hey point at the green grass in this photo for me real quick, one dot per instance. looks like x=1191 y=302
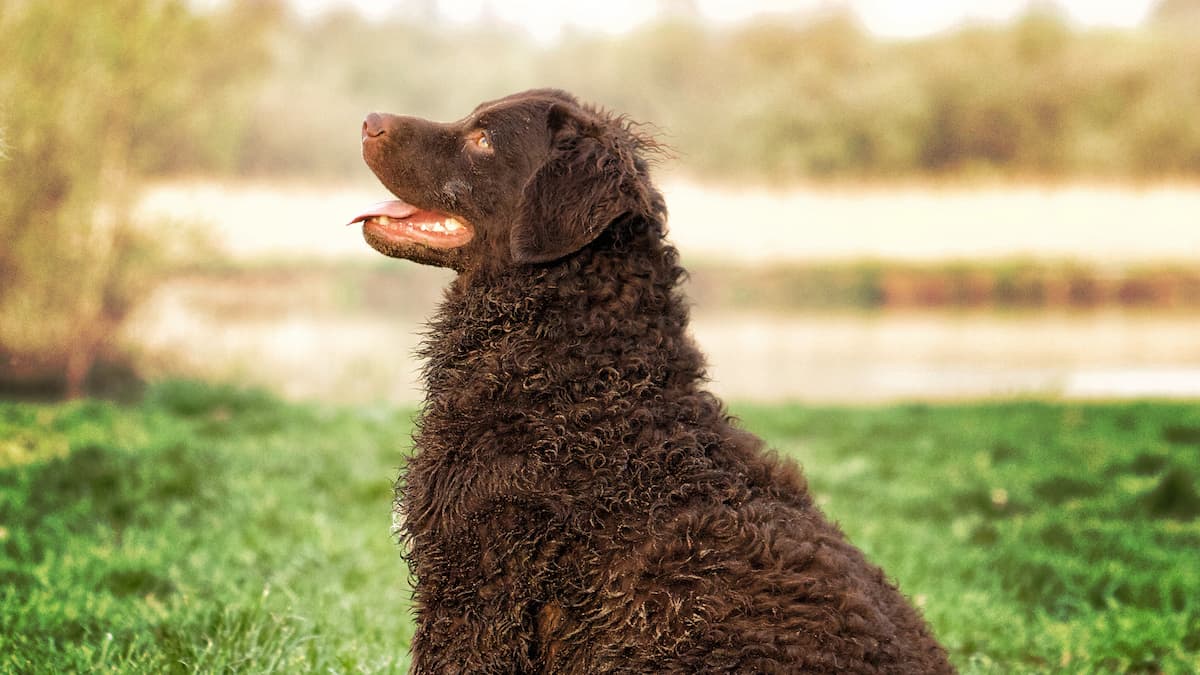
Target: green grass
x=219 y=530
x=207 y=529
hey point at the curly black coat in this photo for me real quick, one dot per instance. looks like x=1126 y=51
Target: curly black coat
x=577 y=501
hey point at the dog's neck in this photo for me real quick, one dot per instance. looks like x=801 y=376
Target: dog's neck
x=558 y=361
x=536 y=338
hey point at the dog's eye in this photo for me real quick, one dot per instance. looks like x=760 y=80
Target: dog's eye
x=481 y=140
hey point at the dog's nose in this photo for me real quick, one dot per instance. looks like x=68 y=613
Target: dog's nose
x=373 y=126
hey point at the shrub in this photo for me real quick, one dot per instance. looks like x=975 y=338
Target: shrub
x=93 y=95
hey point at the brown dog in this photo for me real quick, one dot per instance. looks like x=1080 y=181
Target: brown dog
x=577 y=502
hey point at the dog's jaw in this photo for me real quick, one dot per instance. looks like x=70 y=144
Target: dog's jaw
x=450 y=258
x=400 y=230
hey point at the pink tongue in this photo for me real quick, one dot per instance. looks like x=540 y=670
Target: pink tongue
x=392 y=209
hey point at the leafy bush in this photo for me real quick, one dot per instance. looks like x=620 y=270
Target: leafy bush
x=93 y=96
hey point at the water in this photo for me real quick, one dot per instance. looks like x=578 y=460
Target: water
x=346 y=356
x=935 y=356
x=295 y=339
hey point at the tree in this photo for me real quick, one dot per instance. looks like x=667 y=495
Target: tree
x=1177 y=14
x=93 y=96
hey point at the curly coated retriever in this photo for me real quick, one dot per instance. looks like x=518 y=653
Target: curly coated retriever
x=577 y=501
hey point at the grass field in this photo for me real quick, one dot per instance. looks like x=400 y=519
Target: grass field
x=214 y=529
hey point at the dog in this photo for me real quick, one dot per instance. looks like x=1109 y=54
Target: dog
x=577 y=501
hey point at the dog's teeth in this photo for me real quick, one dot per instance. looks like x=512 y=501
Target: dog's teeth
x=382 y=220
x=451 y=225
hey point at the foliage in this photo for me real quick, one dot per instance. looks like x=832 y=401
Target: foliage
x=779 y=99
x=1012 y=284
x=93 y=95
x=218 y=529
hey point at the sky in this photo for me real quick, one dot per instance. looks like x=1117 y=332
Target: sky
x=545 y=19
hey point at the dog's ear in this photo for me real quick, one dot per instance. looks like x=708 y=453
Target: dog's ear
x=589 y=179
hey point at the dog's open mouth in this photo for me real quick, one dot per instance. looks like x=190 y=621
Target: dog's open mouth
x=399 y=222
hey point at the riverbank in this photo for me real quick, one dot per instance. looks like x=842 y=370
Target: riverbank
x=351 y=337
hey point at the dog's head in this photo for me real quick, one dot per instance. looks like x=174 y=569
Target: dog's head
x=528 y=179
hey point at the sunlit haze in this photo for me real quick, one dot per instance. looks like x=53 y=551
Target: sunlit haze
x=545 y=19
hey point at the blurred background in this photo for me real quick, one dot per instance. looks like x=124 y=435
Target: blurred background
x=876 y=203
x=944 y=254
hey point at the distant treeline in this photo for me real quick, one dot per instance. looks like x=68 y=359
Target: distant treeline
x=408 y=291
x=775 y=100
x=1005 y=285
